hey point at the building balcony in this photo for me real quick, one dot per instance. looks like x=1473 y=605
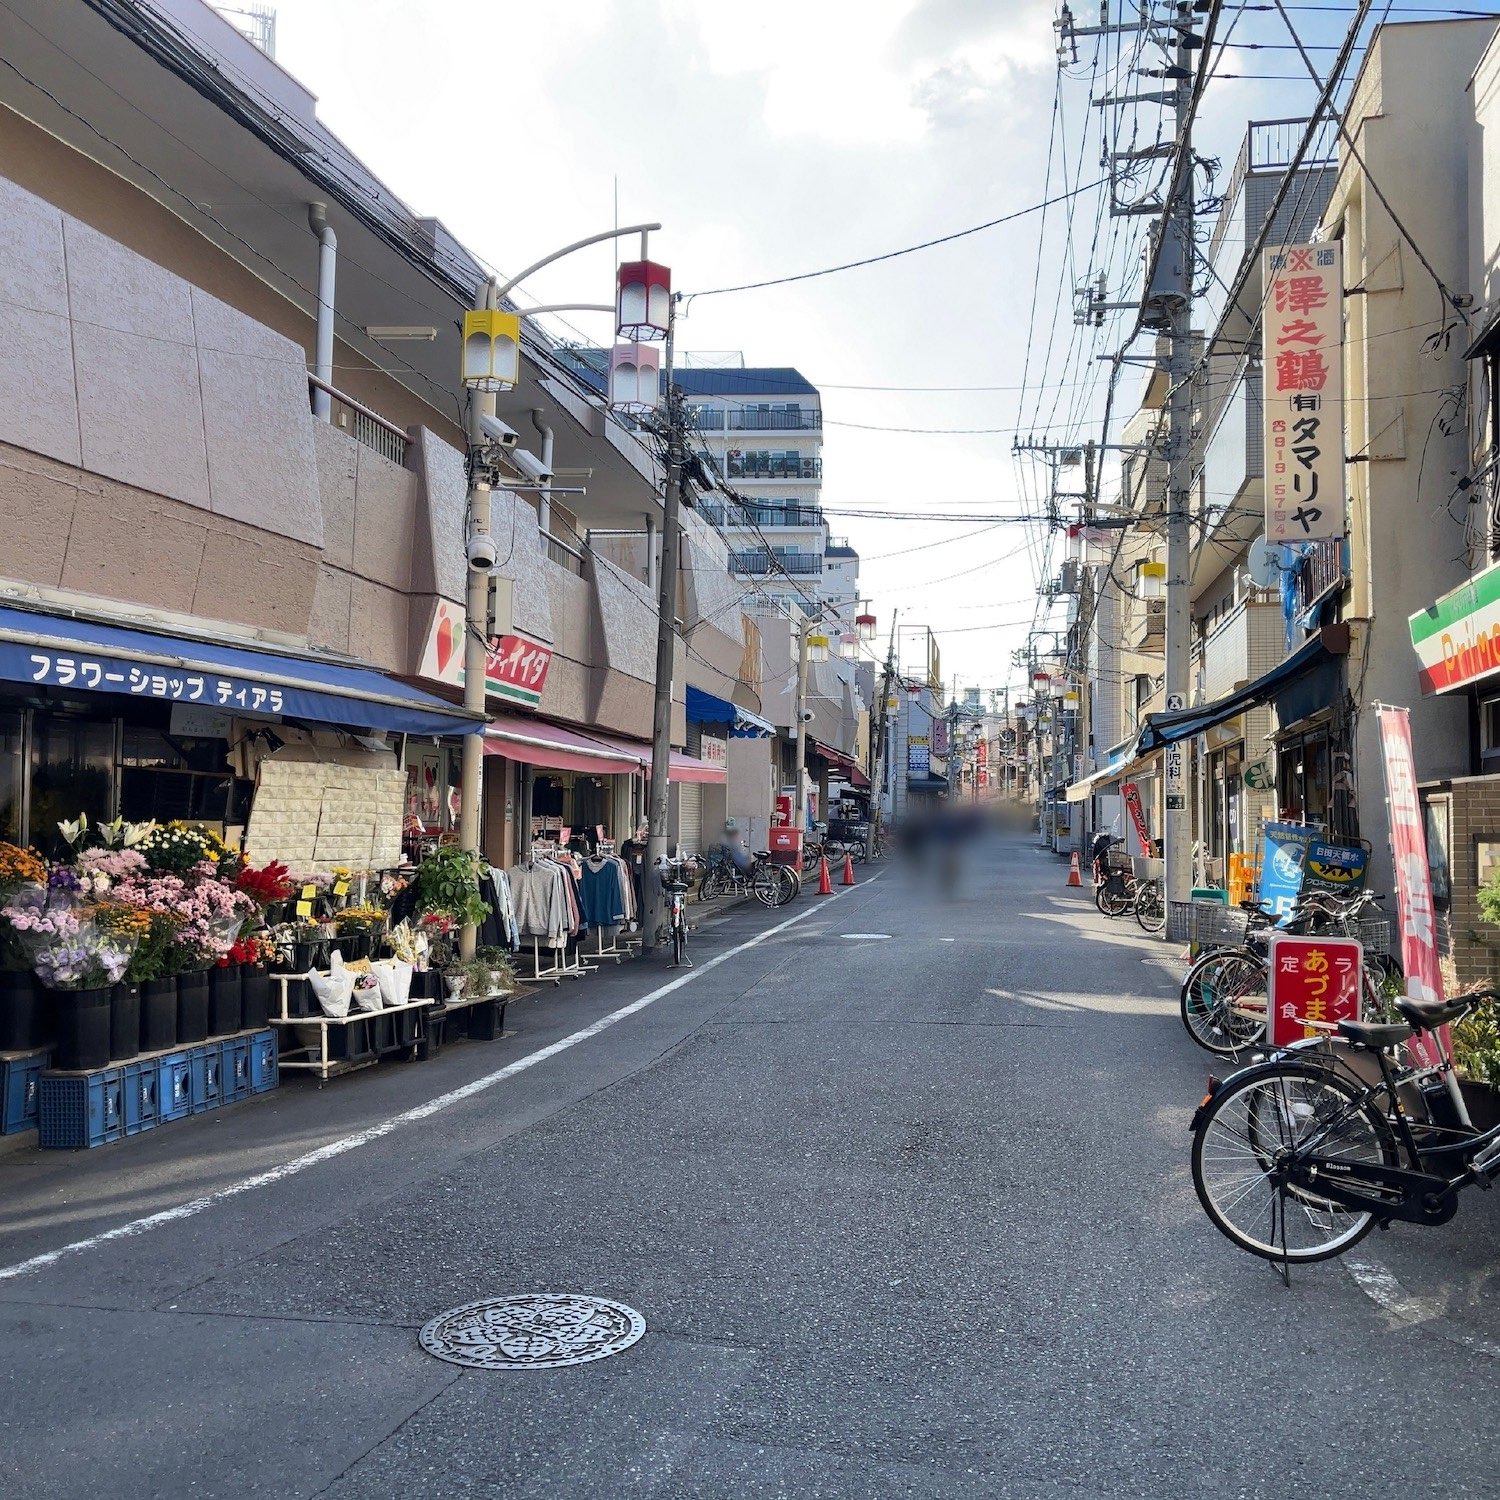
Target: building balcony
x=749 y=516
x=759 y=562
x=1322 y=568
x=758 y=419
x=773 y=466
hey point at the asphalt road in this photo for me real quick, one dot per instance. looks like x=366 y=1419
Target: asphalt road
x=901 y=1192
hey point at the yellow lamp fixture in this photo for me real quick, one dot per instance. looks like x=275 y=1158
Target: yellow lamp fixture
x=492 y=350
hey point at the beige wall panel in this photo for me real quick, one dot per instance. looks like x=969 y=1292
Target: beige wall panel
x=332 y=602
x=338 y=465
x=378 y=625
x=38 y=403
x=259 y=428
x=110 y=286
x=385 y=516
x=571 y=601
x=140 y=412
x=127 y=544
x=257 y=579
x=622 y=704
x=38 y=397
x=567 y=692
x=39 y=506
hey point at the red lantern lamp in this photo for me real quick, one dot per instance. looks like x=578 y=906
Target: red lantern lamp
x=643 y=300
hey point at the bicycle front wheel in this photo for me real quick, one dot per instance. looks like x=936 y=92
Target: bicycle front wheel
x=1256 y=1124
x=712 y=886
x=1224 y=1001
x=1150 y=910
x=679 y=943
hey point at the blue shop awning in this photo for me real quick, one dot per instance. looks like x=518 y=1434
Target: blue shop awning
x=1167 y=728
x=82 y=655
x=705 y=708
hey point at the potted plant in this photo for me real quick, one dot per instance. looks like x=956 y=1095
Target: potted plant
x=252 y=954
x=360 y=929
x=79 y=965
x=1476 y=1051
x=128 y=927
x=499 y=972
x=22 y=1014
x=153 y=966
x=448 y=885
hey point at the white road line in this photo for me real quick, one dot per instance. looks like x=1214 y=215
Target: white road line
x=1382 y=1288
x=195 y=1206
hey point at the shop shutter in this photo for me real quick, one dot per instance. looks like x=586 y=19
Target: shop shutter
x=690 y=816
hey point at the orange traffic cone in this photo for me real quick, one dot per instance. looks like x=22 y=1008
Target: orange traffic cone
x=847 y=878
x=1075 y=875
x=825 y=885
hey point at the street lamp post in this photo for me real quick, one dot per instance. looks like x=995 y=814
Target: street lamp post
x=490 y=362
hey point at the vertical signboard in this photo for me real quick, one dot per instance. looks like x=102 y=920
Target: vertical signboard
x=1315 y=984
x=1132 y=795
x=1304 y=392
x=1419 y=951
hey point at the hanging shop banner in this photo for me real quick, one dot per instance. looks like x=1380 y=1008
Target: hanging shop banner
x=714 y=751
x=1457 y=640
x=1283 y=865
x=1337 y=868
x=1132 y=795
x=1304 y=392
x=1315 y=984
x=1419 y=951
x=516 y=668
x=940 y=738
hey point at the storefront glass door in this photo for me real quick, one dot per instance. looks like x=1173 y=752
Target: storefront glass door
x=72 y=772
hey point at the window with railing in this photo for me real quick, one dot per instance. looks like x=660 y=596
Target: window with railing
x=365 y=426
x=774 y=417
x=744 y=464
x=1321 y=569
x=759 y=561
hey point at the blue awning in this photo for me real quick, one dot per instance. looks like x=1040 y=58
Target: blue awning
x=705 y=708
x=1167 y=728
x=80 y=655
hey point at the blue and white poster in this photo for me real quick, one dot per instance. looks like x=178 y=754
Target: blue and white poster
x=1283 y=864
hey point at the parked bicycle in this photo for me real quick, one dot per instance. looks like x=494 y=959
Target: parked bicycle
x=1117 y=890
x=1223 y=996
x=1299 y=1157
x=676 y=878
x=771 y=884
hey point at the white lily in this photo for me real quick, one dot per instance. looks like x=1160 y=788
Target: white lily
x=135 y=832
x=73 y=831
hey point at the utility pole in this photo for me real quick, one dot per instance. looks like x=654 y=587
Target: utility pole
x=1179 y=241
x=1167 y=306
x=882 y=741
x=666 y=641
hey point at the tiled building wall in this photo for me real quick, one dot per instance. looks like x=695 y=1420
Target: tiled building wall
x=1468 y=946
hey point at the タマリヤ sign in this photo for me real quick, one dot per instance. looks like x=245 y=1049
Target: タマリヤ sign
x=1457 y=639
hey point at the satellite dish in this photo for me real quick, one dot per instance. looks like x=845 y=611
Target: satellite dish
x=1264 y=563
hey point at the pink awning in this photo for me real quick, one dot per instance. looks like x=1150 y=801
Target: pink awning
x=683 y=767
x=539 y=743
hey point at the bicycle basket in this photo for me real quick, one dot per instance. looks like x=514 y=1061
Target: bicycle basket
x=1116 y=859
x=1221 y=926
x=1147 y=869
x=1374 y=935
x=1181 y=921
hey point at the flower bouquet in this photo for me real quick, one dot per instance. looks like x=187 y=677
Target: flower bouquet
x=175 y=849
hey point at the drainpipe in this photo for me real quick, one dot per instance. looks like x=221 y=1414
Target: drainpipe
x=328 y=249
x=544 y=495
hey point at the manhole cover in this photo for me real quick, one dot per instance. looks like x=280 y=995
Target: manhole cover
x=537 y=1331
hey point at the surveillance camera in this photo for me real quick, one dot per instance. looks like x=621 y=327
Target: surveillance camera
x=808 y=716
x=482 y=552
x=530 y=465
x=497 y=432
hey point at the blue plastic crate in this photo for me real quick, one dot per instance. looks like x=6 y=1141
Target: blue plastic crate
x=175 y=1093
x=142 y=1095
x=236 y=1068
x=20 y=1088
x=264 y=1068
x=78 y=1110
x=207 y=1076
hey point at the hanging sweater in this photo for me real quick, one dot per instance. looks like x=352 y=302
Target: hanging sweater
x=602 y=902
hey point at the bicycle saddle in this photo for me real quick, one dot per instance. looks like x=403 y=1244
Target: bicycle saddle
x=1374 y=1035
x=1425 y=1015
x=763 y=854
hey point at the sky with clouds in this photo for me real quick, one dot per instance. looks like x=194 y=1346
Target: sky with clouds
x=784 y=137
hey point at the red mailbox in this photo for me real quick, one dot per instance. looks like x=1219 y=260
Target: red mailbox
x=785 y=846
